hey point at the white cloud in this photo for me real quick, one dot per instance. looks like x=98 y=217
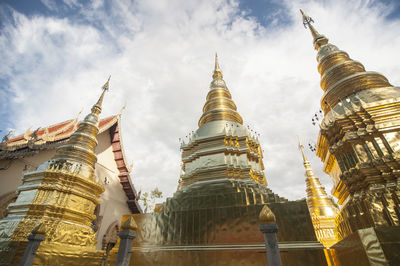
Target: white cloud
x=160 y=56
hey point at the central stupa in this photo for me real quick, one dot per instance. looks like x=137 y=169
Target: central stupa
x=221 y=147
x=212 y=218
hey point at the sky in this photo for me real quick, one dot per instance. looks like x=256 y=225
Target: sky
x=56 y=55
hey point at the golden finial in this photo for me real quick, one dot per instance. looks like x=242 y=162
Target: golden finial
x=122 y=109
x=80 y=112
x=301 y=148
x=266 y=216
x=97 y=107
x=129 y=224
x=319 y=39
x=40 y=229
x=217 y=70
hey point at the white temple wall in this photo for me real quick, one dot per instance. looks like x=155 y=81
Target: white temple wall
x=113 y=201
x=11 y=178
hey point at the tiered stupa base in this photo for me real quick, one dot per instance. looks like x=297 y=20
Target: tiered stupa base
x=216 y=223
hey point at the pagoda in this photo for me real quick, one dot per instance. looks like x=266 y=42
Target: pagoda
x=212 y=218
x=26 y=152
x=322 y=209
x=359 y=144
x=59 y=197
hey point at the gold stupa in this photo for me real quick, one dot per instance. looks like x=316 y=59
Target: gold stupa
x=359 y=144
x=61 y=196
x=322 y=209
x=222 y=146
x=213 y=217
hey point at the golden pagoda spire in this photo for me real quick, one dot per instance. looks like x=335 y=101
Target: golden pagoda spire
x=358 y=133
x=322 y=209
x=219 y=104
x=340 y=75
x=217 y=70
x=83 y=141
x=301 y=147
x=319 y=39
x=97 y=107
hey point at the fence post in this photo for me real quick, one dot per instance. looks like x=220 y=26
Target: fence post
x=37 y=235
x=269 y=228
x=126 y=240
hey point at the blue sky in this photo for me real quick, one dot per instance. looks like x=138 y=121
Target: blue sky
x=57 y=54
x=267 y=12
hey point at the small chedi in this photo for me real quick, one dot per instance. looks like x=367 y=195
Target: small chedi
x=60 y=196
x=212 y=218
x=359 y=144
x=322 y=209
x=25 y=152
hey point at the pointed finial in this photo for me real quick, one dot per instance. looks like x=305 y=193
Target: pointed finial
x=301 y=148
x=80 y=112
x=217 y=70
x=129 y=224
x=266 y=216
x=40 y=229
x=97 y=107
x=306 y=19
x=107 y=84
x=319 y=39
x=122 y=109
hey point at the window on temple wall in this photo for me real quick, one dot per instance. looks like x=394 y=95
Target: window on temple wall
x=110 y=237
x=393 y=138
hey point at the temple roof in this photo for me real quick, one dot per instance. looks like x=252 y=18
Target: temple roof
x=50 y=137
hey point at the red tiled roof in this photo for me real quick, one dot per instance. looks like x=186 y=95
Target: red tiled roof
x=64 y=129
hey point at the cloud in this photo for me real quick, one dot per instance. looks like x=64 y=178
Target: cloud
x=160 y=56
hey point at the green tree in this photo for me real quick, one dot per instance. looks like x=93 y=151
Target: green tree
x=149 y=199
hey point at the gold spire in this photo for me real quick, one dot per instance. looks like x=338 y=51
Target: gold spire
x=340 y=75
x=219 y=104
x=83 y=141
x=320 y=205
x=301 y=147
x=97 y=107
x=319 y=39
x=217 y=71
